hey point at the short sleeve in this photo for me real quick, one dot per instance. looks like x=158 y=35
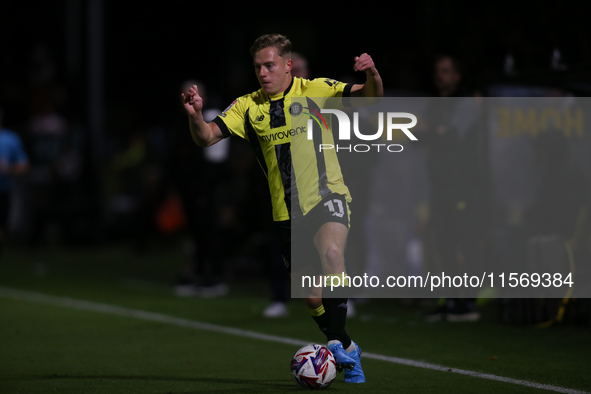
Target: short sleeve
x=231 y=121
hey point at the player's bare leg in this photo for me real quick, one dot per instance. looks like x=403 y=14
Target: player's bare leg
x=330 y=242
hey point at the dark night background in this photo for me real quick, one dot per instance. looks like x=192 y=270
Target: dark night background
x=148 y=50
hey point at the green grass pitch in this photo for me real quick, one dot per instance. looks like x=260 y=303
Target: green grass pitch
x=57 y=349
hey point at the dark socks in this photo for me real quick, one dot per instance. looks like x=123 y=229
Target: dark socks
x=336 y=316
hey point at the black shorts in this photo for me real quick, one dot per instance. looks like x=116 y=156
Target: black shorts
x=300 y=232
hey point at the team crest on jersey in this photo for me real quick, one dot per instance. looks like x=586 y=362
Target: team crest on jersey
x=227 y=109
x=296 y=109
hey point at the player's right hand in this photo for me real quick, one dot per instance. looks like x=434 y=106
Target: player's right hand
x=192 y=102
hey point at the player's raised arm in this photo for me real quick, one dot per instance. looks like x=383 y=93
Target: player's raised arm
x=204 y=134
x=373 y=86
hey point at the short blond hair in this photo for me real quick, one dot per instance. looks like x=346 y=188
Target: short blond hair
x=278 y=41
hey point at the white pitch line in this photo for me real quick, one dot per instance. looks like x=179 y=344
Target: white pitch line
x=46 y=299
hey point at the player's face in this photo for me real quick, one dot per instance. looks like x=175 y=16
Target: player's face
x=446 y=76
x=272 y=70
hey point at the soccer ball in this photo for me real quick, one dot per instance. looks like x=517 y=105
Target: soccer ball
x=313 y=367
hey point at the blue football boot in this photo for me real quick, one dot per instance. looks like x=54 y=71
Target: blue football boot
x=342 y=358
x=355 y=375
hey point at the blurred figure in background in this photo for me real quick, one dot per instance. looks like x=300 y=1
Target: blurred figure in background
x=553 y=230
x=454 y=229
x=48 y=141
x=195 y=174
x=13 y=161
x=300 y=66
x=138 y=178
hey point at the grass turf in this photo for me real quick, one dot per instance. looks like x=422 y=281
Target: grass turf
x=56 y=349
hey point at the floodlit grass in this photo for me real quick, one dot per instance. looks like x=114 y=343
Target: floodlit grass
x=48 y=348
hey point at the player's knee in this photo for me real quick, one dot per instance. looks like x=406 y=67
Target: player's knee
x=333 y=258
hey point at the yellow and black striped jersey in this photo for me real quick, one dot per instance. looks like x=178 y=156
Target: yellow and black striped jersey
x=300 y=175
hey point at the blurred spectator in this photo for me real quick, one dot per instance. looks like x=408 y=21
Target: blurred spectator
x=13 y=161
x=454 y=229
x=552 y=235
x=139 y=190
x=206 y=168
x=299 y=68
x=55 y=164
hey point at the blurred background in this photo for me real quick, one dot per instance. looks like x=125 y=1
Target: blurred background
x=92 y=89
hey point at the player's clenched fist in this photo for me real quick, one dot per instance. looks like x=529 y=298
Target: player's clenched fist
x=192 y=101
x=364 y=63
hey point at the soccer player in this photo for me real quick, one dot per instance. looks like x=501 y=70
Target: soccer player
x=301 y=201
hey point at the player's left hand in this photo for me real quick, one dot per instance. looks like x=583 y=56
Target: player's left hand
x=365 y=63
